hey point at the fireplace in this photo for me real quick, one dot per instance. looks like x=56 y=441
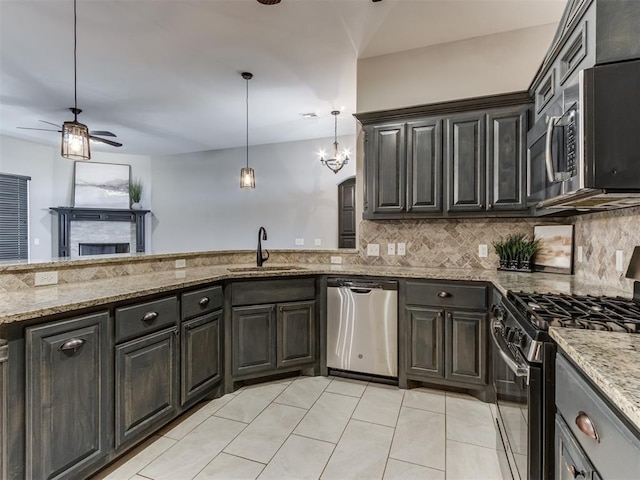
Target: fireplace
x=102 y=248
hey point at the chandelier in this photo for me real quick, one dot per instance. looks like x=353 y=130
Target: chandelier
x=339 y=158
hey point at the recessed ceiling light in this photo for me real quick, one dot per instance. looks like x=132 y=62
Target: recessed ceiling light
x=269 y=2
x=309 y=115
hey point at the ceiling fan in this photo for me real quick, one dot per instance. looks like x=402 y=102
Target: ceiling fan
x=76 y=135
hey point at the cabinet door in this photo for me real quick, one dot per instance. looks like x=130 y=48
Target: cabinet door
x=254 y=339
x=466 y=346
x=465 y=159
x=200 y=355
x=347 y=214
x=571 y=462
x=146 y=383
x=68 y=400
x=425 y=349
x=4 y=353
x=388 y=179
x=296 y=333
x=506 y=160
x=424 y=166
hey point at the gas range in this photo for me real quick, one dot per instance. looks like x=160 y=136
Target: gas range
x=544 y=310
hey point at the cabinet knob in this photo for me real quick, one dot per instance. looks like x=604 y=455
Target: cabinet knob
x=203 y=301
x=444 y=294
x=574 y=472
x=490 y=206
x=72 y=345
x=149 y=317
x=586 y=426
x=281 y=309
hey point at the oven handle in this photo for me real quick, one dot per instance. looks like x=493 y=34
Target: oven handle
x=518 y=369
x=548 y=154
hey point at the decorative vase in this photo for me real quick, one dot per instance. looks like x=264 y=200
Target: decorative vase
x=525 y=265
x=504 y=264
x=136 y=206
x=513 y=264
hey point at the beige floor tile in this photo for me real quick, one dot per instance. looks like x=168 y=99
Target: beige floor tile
x=361 y=453
x=248 y=404
x=303 y=392
x=228 y=467
x=471 y=462
x=328 y=417
x=397 y=470
x=420 y=438
x=470 y=421
x=346 y=386
x=191 y=454
x=299 y=458
x=186 y=423
x=379 y=405
x=264 y=436
x=136 y=460
x=425 y=399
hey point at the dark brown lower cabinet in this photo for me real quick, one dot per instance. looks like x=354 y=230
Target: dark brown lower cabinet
x=68 y=396
x=571 y=461
x=268 y=337
x=200 y=355
x=446 y=344
x=4 y=355
x=146 y=383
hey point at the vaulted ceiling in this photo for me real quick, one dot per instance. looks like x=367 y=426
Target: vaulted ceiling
x=164 y=75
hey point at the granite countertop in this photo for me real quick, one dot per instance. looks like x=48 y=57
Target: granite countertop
x=610 y=360
x=35 y=302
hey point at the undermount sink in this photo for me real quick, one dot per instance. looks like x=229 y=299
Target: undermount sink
x=264 y=269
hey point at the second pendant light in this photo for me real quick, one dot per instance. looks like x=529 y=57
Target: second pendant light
x=247 y=175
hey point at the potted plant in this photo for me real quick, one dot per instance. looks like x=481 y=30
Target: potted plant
x=135 y=193
x=501 y=250
x=529 y=251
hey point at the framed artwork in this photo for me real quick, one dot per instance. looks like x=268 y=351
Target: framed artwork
x=556 y=248
x=101 y=185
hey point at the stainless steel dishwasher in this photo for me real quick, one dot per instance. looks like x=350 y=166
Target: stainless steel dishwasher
x=362 y=326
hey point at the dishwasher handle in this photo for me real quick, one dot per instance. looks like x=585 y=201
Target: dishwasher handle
x=363 y=291
x=361 y=284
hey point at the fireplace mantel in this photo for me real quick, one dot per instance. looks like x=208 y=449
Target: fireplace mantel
x=68 y=214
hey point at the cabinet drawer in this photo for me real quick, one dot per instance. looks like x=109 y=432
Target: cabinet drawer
x=201 y=301
x=443 y=294
x=616 y=453
x=256 y=292
x=145 y=317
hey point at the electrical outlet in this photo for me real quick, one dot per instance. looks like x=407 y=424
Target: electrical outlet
x=391 y=249
x=483 y=252
x=580 y=254
x=336 y=260
x=299 y=242
x=317 y=242
x=373 y=250
x=619 y=266
x=36 y=241
x=46 y=278
x=402 y=248
x=180 y=263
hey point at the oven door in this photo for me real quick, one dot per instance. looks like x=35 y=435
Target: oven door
x=518 y=415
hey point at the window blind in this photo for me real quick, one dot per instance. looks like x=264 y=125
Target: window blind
x=14 y=217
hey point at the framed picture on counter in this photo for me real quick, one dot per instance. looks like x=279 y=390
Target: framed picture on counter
x=556 y=248
x=101 y=185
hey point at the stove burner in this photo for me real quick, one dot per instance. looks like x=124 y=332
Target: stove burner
x=614 y=314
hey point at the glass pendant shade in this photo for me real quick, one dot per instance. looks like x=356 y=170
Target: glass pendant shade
x=75 y=141
x=247 y=178
x=340 y=158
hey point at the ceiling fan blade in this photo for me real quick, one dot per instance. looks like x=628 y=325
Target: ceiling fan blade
x=54 y=124
x=104 y=140
x=42 y=129
x=103 y=133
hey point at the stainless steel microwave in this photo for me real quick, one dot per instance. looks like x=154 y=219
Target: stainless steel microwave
x=584 y=153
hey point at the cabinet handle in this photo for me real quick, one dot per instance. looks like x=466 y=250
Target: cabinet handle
x=449 y=316
x=574 y=472
x=281 y=309
x=203 y=301
x=444 y=294
x=73 y=344
x=586 y=426
x=490 y=206
x=149 y=317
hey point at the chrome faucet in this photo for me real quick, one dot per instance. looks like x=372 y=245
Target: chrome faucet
x=260 y=258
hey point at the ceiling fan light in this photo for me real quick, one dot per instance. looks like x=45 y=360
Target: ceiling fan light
x=75 y=141
x=247 y=178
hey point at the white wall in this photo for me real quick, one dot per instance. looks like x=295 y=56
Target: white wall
x=51 y=185
x=198 y=204
x=500 y=63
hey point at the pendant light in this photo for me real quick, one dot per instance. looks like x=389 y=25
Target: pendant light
x=75 y=135
x=339 y=159
x=247 y=175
